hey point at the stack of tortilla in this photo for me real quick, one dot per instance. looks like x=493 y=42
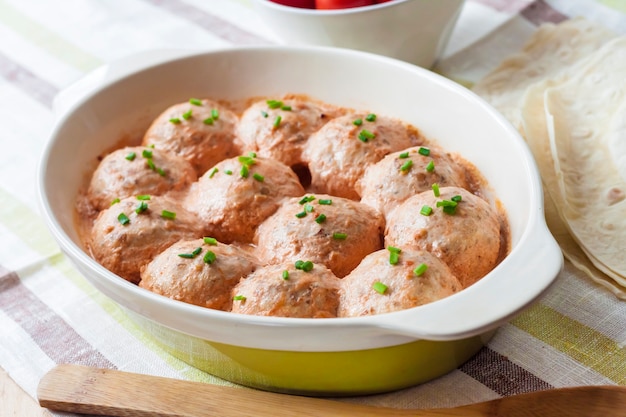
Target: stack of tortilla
x=566 y=93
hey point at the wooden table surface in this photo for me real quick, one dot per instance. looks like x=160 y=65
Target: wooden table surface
x=14 y=402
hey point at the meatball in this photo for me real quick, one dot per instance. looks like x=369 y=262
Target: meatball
x=332 y=231
x=137 y=170
x=382 y=284
x=130 y=233
x=403 y=174
x=338 y=153
x=200 y=131
x=294 y=289
x=279 y=129
x=464 y=231
x=201 y=272
x=236 y=195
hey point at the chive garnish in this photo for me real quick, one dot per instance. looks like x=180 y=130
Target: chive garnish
x=456 y=198
x=306 y=199
x=448 y=206
x=403 y=155
x=160 y=171
x=358 y=122
x=431 y=166
x=168 y=214
x=421 y=268
x=277 y=122
x=424 y=151
x=239 y=297
x=320 y=218
x=258 y=177
x=264 y=114
x=191 y=255
x=146 y=154
x=187 y=114
x=286 y=108
x=195 y=101
x=123 y=219
x=175 y=120
x=252 y=154
x=150 y=164
x=285 y=275
x=308 y=208
x=301 y=214
x=426 y=210
x=325 y=202
x=143 y=197
x=246 y=160
x=215 y=114
x=244 y=172
x=115 y=201
x=379 y=287
x=213 y=172
x=340 y=236
x=208 y=121
x=209 y=257
x=131 y=156
x=394 y=254
x=228 y=172
x=365 y=135
x=370 y=117
x=406 y=166
x=143 y=206
x=435 y=188
x=274 y=104
x=210 y=241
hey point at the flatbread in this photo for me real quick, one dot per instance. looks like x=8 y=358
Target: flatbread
x=552 y=48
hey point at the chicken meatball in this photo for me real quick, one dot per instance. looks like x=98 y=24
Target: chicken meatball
x=279 y=129
x=236 y=195
x=395 y=279
x=332 y=231
x=462 y=230
x=137 y=170
x=200 y=131
x=130 y=233
x=201 y=272
x=338 y=153
x=403 y=174
x=295 y=289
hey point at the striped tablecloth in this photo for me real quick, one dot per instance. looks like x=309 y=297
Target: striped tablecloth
x=49 y=314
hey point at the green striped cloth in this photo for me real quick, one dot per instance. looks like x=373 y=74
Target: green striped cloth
x=50 y=314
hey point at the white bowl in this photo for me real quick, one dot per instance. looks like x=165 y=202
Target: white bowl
x=444 y=111
x=415 y=31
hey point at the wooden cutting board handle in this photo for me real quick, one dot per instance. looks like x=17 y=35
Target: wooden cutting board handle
x=85 y=390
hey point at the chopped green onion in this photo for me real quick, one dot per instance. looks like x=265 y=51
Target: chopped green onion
x=215 y=114
x=320 y=219
x=431 y=166
x=252 y=154
x=394 y=254
x=365 y=135
x=123 y=219
x=228 y=172
x=435 y=188
x=143 y=206
x=239 y=297
x=209 y=257
x=306 y=199
x=426 y=210
x=151 y=146
x=143 y=197
x=244 y=172
x=246 y=160
x=403 y=155
x=175 y=120
x=131 y=156
x=308 y=208
x=456 y=198
x=168 y=214
x=146 y=154
x=448 y=206
x=150 y=164
x=195 y=101
x=406 y=166
x=301 y=214
x=115 y=201
x=213 y=172
x=424 y=151
x=286 y=108
x=285 y=275
x=210 y=241
x=277 y=122
x=370 y=117
x=358 y=122
x=393 y=249
x=208 y=121
x=379 y=287
x=160 y=171
x=274 y=104
x=325 y=202
x=421 y=268
x=258 y=177
x=191 y=255
x=264 y=114
x=340 y=236
x=187 y=114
